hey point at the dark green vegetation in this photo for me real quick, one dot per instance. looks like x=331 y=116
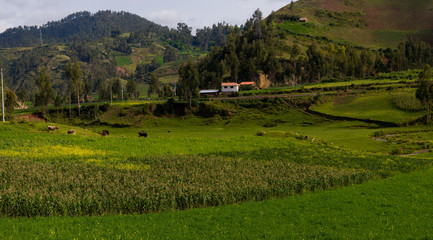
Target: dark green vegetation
x=85 y=25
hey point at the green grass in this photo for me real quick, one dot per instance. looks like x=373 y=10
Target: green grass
x=390 y=37
x=295 y=27
x=123 y=60
x=396 y=208
x=377 y=106
x=243 y=150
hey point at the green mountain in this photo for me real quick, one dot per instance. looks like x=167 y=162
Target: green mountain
x=107 y=44
x=367 y=23
x=79 y=25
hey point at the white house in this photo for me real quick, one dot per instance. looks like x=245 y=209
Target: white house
x=229 y=87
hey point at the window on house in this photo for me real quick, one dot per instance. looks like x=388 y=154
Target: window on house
x=231 y=87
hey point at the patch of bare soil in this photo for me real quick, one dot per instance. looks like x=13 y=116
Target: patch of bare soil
x=340 y=5
x=390 y=16
x=37 y=117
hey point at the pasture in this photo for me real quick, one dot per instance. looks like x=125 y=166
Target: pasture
x=264 y=161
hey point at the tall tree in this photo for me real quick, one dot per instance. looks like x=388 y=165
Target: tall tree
x=10 y=103
x=425 y=90
x=116 y=87
x=75 y=74
x=316 y=62
x=169 y=54
x=188 y=83
x=167 y=91
x=153 y=86
x=46 y=93
x=131 y=88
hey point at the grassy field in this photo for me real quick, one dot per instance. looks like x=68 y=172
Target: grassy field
x=373 y=106
x=217 y=171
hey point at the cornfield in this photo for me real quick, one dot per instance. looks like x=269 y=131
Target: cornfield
x=168 y=183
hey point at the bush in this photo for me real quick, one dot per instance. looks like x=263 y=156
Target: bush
x=270 y=124
x=407 y=102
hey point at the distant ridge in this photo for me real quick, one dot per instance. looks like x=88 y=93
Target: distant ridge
x=369 y=23
x=83 y=25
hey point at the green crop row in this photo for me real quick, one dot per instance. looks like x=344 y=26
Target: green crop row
x=163 y=183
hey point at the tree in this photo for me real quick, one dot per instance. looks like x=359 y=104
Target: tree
x=116 y=87
x=75 y=74
x=10 y=103
x=131 y=88
x=153 y=86
x=46 y=93
x=167 y=91
x=316 y=62
x=257 y=21
x=169 y=54
x=425 y=90
x=188 y=83
x=58 y=101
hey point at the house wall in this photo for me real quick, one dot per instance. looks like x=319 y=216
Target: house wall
x=230 y=88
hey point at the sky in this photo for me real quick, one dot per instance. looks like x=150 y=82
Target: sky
x=195 y=13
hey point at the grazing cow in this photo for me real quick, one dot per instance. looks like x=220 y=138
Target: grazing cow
x=71 y=132
x=105 y=133
x=142 y=134
x=52 y=128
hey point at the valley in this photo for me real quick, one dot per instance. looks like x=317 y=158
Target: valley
x=311 y=123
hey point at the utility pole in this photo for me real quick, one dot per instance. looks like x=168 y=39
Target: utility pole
x=122 y=90
x=3 y=97
x=111 y=93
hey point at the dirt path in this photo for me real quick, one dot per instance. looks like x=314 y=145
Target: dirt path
x=415 y=153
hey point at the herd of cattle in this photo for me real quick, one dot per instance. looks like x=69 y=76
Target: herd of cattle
x=104 y=132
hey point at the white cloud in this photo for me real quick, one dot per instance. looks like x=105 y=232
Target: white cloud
x=5 y=25
x=166 y=17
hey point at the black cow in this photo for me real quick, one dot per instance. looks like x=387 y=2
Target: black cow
x=142 y=134
x=105 y=133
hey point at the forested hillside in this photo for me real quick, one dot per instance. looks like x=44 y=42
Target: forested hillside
x=78 y=25
x=113 y=48
x=91 y=27
x=263 y=51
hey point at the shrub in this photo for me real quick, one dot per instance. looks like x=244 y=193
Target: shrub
x=407 y=102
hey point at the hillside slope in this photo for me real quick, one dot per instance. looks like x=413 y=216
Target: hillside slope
x=78 y=25
x=368 y=23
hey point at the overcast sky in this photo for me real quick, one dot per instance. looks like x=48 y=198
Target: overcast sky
x=195 y=13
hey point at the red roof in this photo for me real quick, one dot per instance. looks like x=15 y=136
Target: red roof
x=229 y=84
x=248 y=83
